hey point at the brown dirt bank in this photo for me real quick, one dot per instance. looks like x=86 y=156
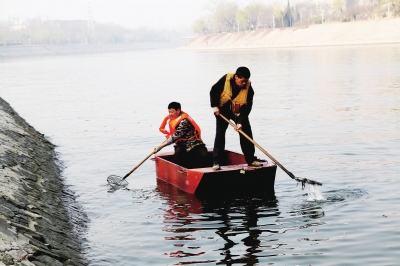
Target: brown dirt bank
x=348 y=33
x=40 y=221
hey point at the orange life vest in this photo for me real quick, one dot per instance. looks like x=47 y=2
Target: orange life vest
x=173 y=123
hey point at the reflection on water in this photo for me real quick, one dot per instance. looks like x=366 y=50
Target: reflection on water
x=228 y=218
x=242 y=230
x=239 y=230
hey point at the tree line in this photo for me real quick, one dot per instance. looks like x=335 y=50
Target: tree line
x=226 y=16
x=69 y=32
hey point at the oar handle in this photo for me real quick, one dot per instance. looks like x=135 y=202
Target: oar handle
x=258 y=146
x=137 y=166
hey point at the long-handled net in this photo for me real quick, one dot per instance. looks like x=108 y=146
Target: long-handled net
x=117 y=181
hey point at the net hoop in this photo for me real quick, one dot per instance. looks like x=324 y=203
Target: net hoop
x=114 y=180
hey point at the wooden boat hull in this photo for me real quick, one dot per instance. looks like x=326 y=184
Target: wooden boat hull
x=235 y=177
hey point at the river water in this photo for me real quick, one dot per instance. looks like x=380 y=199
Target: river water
x=330 y=114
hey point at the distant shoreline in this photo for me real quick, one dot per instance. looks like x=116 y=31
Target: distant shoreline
x=19 y=51
x=385 y=31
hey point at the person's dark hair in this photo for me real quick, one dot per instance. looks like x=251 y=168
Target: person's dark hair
x=243 y=72
x=174 y=105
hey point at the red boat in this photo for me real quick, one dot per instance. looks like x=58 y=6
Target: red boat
x=235 y=177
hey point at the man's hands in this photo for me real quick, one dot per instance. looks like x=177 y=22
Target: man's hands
x=238 y=127
x=216 y=111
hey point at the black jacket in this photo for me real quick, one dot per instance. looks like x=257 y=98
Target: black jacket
x=215 y=94
x=186 y=131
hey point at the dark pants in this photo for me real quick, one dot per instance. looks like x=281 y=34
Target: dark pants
x=219 y=143
x=195 y=158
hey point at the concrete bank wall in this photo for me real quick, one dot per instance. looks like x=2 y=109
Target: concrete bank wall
x=53 y=50
x=40 y=221
x=350 y=33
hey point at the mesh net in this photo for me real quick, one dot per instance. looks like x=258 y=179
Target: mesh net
x=115 y=180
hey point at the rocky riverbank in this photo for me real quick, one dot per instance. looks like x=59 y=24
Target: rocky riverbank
x=385 y=31
x=40 y=221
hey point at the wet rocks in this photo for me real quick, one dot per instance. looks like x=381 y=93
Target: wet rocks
x=40 y=221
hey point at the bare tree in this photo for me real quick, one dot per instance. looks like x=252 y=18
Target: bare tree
x=278 y=14
x=225 y=16
x=200 y=26
x=266 y=16
x=252 y=13
x=338 y=9
x=212 y=7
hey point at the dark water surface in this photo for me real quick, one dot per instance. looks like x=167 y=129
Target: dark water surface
x=330 y=114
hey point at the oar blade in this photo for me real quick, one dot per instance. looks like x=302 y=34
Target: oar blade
x=305 y=181
x=116 y=181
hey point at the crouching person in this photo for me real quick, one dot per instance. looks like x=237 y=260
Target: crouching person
x=190 y=150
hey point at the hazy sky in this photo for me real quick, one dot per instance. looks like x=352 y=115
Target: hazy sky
x=129 y=13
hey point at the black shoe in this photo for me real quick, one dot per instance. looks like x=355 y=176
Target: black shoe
x=261 y=160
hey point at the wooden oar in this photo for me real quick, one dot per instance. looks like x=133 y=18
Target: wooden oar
x=137 y=166
x=298 y=179
x=118 y=181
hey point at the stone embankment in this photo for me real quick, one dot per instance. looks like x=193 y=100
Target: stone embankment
x=40 y=221
x=385 y=31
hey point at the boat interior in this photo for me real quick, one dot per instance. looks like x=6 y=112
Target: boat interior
x=229 y=158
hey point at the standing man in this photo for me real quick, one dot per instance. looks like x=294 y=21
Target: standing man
x=232 y=96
